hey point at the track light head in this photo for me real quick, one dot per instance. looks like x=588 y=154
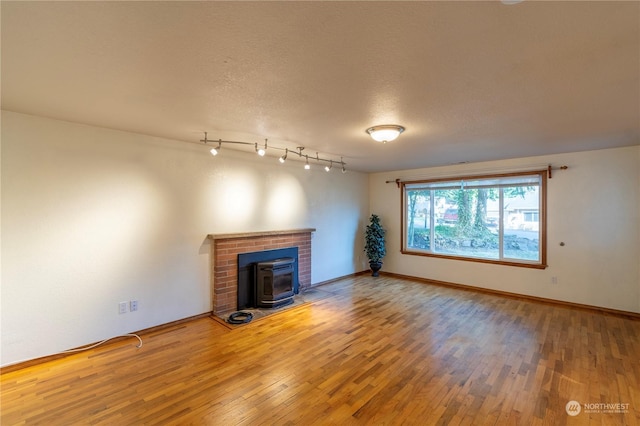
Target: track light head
x=214 y=151
x=284 y=157
x=328 y=168
x=306 y=165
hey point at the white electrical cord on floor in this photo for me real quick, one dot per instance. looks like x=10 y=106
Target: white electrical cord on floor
x=105 y=340
x=80 y=349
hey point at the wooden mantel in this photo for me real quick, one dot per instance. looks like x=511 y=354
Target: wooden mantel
x=259 y=234
x=224 y=260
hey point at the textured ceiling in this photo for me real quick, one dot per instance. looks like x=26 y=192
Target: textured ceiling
x=470 y=81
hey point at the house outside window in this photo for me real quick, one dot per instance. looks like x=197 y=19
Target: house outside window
x=495 y=219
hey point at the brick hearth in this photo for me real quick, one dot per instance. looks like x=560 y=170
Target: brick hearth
x=224 y=261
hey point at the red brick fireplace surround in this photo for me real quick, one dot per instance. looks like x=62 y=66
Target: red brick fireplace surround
x=224 y=260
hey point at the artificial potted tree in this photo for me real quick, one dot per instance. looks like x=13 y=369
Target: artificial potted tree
x=374 y=245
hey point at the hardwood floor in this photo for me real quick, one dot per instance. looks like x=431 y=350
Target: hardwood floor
x=375 y=351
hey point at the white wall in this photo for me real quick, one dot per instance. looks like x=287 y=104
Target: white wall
x=593 y=207
x=92 y=217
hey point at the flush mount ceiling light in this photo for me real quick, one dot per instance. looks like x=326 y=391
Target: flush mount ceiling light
x=385 y=133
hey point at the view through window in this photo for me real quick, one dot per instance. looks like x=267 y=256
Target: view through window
x=498 y=219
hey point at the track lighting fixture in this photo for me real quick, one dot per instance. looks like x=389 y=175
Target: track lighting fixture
x=261 y=151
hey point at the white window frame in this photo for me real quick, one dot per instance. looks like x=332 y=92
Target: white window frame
x=497 y=181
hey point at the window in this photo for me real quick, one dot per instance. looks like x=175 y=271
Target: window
x=495 y=219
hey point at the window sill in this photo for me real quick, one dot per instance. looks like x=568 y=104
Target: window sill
x=479 y=260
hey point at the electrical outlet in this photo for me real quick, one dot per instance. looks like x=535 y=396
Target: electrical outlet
x=554 y=280
x=122 y=307
x=133 y=305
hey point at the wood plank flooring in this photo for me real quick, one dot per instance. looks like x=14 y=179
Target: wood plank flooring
x=377 y=351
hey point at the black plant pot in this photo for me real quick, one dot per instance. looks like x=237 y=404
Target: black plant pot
x=375 y=267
